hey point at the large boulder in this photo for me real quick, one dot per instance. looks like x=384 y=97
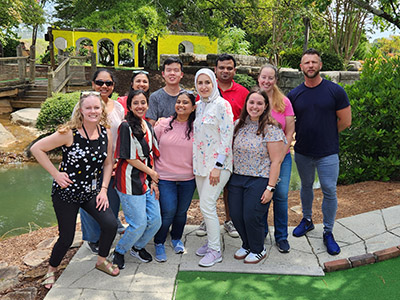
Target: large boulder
x=26 y=116
x=6 y=137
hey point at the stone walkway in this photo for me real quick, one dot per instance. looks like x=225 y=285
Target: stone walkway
x=359 y=237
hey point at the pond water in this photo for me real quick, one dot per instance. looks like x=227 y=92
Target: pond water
x=25 y=198
x=25 y=201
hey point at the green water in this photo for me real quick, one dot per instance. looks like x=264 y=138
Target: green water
x=25 y=201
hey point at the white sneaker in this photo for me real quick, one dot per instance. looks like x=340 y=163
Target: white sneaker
x=241 y=253
x=230 y=229
x=202 y=230
x=255 y=258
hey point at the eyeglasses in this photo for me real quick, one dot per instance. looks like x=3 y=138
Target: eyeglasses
x=101 y=83
x=89 y=93
x=140 y=72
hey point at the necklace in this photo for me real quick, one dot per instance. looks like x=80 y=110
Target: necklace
x=93 y=155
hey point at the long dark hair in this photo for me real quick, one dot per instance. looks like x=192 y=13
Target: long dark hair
x=95 y=74
x=134 y=121
x=191 y=118
x=136 y=73
x=265 y=118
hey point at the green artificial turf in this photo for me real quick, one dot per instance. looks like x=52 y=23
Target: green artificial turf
x=377 y=281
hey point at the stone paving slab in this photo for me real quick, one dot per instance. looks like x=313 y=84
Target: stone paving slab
x=357 y=235
x=391 y=216
x=382 y=241
x=366 y=225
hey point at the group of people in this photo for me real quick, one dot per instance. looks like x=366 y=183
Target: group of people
x=149 y=154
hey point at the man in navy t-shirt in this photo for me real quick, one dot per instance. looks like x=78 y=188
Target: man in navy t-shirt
x=322 y=110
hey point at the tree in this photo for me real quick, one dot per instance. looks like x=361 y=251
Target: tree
x=389 y=46
x=13 y=13
x=234 y=42
x=346 y=25
x=388 y=10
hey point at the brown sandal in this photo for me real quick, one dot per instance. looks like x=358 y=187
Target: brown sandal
x=107 y=267
x=49 y=278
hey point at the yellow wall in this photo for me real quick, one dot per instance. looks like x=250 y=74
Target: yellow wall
x=168 y=44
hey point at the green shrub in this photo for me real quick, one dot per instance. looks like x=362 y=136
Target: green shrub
x=291 y=58
x=56 y=111
x=247 y=81
x=370 y=148
x=330 y=61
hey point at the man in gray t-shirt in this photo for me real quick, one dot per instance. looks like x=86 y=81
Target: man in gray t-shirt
x=162 y=102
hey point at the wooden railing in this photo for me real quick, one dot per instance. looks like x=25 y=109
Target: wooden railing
x=59 y=79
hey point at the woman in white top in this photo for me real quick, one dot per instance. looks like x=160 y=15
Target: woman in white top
x=212 y=158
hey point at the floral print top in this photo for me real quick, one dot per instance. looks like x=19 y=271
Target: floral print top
x=213 y=132
x=250 y=153
x=83 y=162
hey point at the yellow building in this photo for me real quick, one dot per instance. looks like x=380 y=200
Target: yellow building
x=174 y=43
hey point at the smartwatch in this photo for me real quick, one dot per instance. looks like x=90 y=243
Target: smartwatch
x=271 y=188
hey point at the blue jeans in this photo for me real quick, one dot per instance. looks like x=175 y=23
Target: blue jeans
x=142 y=213
x=328 y=172
x=247 y=211
x=90 y=227
x=175 y=199
x=280 y=199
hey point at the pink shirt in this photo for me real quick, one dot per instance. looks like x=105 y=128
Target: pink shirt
x=281 y=117
x=175 y=162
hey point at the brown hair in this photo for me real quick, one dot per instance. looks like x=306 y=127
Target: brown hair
x=265 y=118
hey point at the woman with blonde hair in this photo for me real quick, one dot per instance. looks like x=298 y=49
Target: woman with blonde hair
x=86 y=146
x=103 y=82
x=282 y=112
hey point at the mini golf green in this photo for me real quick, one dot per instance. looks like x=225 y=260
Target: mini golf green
x=377 y=281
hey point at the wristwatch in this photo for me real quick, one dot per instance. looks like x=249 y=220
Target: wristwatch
x=271 y=188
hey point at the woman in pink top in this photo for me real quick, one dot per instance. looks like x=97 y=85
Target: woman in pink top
x=175 y=167
x=282 y=112
x=140 y=80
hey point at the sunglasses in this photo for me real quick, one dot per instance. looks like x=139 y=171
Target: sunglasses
x=140 y=71
x=89 y=93
x=101 y=83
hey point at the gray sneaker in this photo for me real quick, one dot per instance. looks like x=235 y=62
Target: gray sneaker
x=230 y=229
x=202 y=230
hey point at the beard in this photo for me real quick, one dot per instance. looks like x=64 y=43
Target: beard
x=315 y=74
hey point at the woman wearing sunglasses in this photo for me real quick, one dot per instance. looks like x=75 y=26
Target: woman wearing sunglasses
x=87 y=156
x=140 y=80
x=103 y=82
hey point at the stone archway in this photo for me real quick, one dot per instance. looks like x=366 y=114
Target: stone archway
x=185 y=47
x=105 y=52
x=84 y=46
x=126 y=53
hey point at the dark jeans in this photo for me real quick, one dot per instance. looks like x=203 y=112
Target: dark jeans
x=90 y=228
x=247 y=211
x=175 y=199
x=66 y=216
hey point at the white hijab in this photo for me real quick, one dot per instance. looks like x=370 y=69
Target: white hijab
x=215 y=93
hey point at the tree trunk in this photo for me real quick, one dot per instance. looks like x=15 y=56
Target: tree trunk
x=306 y=22
x=151 y=56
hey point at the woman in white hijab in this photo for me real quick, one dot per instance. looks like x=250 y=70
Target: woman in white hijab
x=212 y=158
